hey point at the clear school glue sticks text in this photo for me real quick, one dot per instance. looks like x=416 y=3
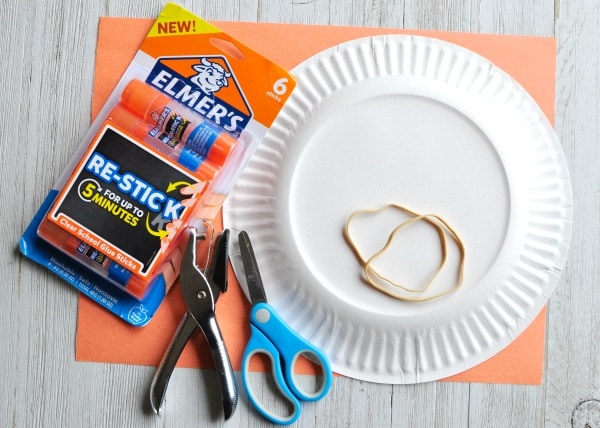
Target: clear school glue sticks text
x=102 y=265
x=169 y=116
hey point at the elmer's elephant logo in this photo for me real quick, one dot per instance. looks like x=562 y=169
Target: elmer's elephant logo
x=205 y=84
x=211 y=76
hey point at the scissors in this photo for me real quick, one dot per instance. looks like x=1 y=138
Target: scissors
x=200 y=292
x=270 y=335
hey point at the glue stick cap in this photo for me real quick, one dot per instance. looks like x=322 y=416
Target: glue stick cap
x=118 y=273
x=55 y=234
x=129 y=122
x=220 y=148
x=141 y=99
x=71 y=244
x=136 y=286
x=191 y=160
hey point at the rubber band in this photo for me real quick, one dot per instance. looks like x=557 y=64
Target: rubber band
x=375 y=278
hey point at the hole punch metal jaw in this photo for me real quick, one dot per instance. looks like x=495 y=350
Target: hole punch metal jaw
x=201 y=290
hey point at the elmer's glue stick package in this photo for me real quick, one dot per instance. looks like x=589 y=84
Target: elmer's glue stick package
x=163 y=154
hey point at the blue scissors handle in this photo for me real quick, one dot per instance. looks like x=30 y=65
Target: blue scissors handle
x=259 y=344
x=270 y=335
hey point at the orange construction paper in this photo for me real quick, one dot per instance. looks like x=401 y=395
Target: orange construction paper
x=102 y=337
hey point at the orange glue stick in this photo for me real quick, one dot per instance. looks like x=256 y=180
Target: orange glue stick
x=169 y=269
x=162 y=142
x=82 y=252
x=171 y=117
x=104 y=266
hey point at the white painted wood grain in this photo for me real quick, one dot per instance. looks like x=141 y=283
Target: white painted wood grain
x=47 y=73
x=573 y=340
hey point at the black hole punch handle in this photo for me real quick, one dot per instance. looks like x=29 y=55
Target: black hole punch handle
x=217 y=270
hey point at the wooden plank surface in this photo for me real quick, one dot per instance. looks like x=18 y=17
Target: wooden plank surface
x=47 y=71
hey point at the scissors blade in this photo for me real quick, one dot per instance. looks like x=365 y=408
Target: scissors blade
x=253 y=279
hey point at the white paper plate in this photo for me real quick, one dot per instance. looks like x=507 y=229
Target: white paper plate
x=431 y=126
